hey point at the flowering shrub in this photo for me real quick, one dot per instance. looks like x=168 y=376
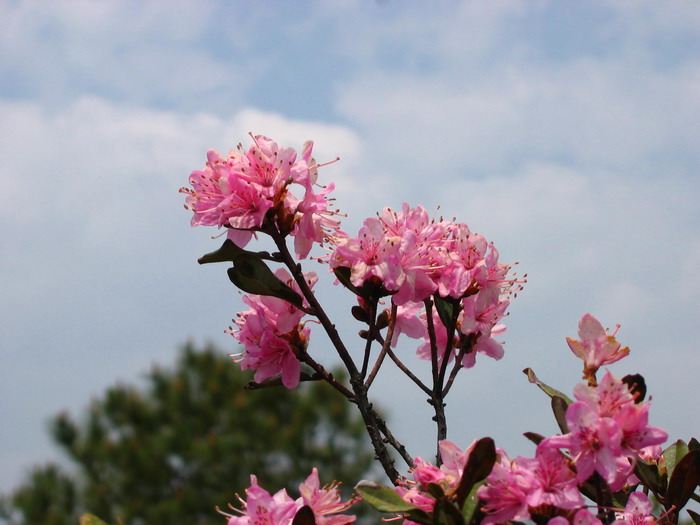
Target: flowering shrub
x=435 y=281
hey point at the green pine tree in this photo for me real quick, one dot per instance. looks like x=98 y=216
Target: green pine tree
x=169 y=452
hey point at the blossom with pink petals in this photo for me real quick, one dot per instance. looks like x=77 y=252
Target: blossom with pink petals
x=607 y=428
x=637 y=511
x=272 y=335
x=448 y=475
x=507 y=489
x=250 y=191
x=261 y=508
x=596 y=347
x=325 y=502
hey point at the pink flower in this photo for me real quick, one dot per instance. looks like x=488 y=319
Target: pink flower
x=220 y=197
x=554 y=481
x=315 y=221
x=594 y=443
x=250 y=191
x=271 y=334
x=596 y=348
x=264 y=351
x=408 y=322
x=261 y=508
x=582 y=517
x=448 y=475
x=607 y=431
x=637 y=511
x=370 y=254
x=506 y=490
x=324 y=501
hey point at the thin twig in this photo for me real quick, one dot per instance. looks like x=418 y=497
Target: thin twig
x=400 y=448
x=431 y=335
x=369 y=416
x=467 y=347
x=326 y=376
x=370 y=337
x=385 y=346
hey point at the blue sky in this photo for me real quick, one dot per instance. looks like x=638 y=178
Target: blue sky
x=566 y=132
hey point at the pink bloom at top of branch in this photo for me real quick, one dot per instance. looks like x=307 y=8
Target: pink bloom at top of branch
x=596 y=347
x=372 y=253
x=219 y=197
x=250 y=191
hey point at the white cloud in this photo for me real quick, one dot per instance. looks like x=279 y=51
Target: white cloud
x=98 y=261
x=577 y=156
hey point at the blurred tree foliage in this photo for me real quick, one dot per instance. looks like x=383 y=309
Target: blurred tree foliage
x=169 y=452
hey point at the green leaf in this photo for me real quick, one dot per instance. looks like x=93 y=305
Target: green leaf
x=649 y=476
x=686 y=476
x=384 y=499
x=471 y=504
x=445 y=513
x=304 y=516
x=694 y=444
x=673 y=454
x=91 y=519
x=559 y=407
x=343 y=275
x=695 y=516
x=251 y=274
x=534 y=437
x=551 y=392
x=227 y=253
x=478 y=467
x=435 y=490
x=419 y=516
x=445 y=309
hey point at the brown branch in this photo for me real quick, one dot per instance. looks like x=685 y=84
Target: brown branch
x=385 y=346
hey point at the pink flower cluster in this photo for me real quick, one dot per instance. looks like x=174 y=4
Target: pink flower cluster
x=424 y=473
x=609 y=433
x=272 y=334
x=609 y=427
x=516 y=487
x=414 y=257
x=262 y=508
x=249 y=191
